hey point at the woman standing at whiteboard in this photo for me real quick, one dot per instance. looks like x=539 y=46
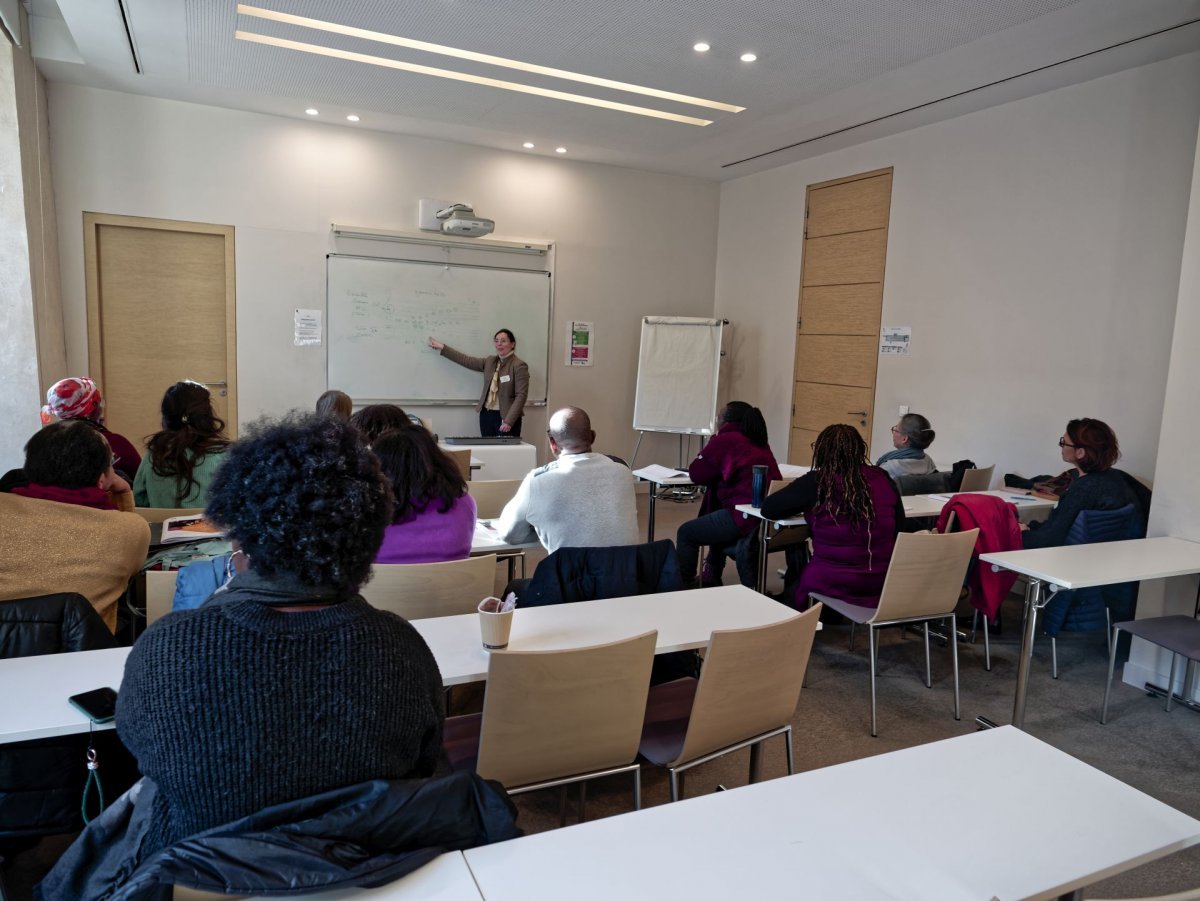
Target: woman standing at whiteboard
x=505 y=384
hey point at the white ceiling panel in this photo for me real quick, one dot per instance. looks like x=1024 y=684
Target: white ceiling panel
x=823 y=65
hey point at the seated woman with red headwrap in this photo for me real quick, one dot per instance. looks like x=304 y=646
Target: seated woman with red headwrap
x=79 y=398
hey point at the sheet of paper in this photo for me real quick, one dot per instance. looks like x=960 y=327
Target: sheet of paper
x=895 y=339
x=308 y=327
x=656 y=473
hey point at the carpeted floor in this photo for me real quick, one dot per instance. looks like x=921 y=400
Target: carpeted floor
x=1143 y=746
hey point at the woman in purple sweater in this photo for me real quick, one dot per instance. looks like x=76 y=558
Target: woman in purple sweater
x=854 y=512
x=725 y=468
x=435 y=517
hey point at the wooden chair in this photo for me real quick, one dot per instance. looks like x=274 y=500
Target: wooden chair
x=923 y=583
x=552 y=718
x=162 y=514
x=747 y=692
x=160 y=592
x=491 y=496
x=426 y=590
x=977 y=479
x=463 y=459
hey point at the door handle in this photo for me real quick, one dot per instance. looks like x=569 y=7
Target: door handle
x=224 y=386
x=848 y=412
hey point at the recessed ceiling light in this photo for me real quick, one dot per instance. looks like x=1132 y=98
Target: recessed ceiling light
x=701 y=47
x=442 y=49
x=749 y=57
x=463 y=76
x=560 y=149
x=528 y=145
x=311 y=112
x=352 y=118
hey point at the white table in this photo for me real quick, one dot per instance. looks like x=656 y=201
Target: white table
x=895 y=826
x=487 y=541
x=684 y=620
x=499 y=461
x=445 y=878
x=34 y=691
x=1085 y=566
x=770 y=531
x=1029 y=506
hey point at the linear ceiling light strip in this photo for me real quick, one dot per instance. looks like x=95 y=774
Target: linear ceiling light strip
x=395 y=40
x=990 y=84
x=463 y=76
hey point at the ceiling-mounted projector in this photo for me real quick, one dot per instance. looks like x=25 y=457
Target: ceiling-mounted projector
x=460 y=219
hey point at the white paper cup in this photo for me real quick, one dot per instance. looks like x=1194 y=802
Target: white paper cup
x=493 y=625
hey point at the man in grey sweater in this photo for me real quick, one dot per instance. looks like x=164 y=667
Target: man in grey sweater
x=582 y=499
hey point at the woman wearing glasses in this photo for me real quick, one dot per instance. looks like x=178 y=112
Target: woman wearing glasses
x=1091 y=447
x=910 y=436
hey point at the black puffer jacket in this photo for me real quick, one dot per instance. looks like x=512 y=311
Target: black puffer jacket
x=41 y=781
x=573 y=574
x=361 y=835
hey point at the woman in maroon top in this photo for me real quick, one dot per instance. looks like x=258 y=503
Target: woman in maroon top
x=725 y=468
x=854 y=512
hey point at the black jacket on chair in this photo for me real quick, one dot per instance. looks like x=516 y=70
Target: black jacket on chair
x=360 y=835
x=41 y=781
x=590 y=573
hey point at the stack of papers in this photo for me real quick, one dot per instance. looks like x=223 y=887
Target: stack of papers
x=661 y=474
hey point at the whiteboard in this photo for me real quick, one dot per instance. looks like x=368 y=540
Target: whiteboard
x=381 y=313
x=678 y=367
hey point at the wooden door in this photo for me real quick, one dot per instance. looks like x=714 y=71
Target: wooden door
x=841 y=296
x=160 y=300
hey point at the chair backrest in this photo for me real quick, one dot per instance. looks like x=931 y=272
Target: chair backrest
x=926 y=574
x=426 y=590
x=160 y=592
x=162 y=514
x=491 y=495
x=750 y=683
x=1095 y=526
x=977 y=479
x=551 y=714
x=462 y=458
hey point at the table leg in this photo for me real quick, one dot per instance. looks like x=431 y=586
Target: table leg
x=650 y=512
x=1033 y=596
x=764 y=542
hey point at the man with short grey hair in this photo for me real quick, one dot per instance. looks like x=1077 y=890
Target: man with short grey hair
x=582 y=499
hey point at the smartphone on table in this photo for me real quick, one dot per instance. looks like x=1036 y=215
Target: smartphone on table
x=99 y=705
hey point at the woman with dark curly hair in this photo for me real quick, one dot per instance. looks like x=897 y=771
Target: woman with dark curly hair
x=854 y=512
x=181 y=458
x=434 y=520
x=373 y=420
x=286 y=683
x=1091 y=447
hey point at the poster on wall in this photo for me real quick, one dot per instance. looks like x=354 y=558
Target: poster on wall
x=580 y=344
x=895 y=340
x=307 y=328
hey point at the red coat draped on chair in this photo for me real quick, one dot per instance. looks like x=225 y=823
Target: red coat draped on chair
x=999 y=530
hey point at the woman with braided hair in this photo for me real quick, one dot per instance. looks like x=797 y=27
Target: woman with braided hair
x=854 y=512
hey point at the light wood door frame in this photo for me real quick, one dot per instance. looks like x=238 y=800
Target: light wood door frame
x=92 y=223
x=823 y=342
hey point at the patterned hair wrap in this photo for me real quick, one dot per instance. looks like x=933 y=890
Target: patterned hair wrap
x=72 y=399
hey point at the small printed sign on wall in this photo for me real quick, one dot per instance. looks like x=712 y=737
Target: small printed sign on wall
x=308 y=327
x=580 y=344
x=895 y=339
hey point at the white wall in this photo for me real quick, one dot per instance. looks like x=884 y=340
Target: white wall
x=282 y=182
x=1034 y=250
x=1176 y=508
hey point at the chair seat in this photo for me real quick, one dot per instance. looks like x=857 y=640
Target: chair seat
x=1178 y=634
x=854 y=612
x=668 y=709
x=460 y=739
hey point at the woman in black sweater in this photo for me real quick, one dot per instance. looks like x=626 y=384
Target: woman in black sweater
x=1091 y=447
x=286 y=683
